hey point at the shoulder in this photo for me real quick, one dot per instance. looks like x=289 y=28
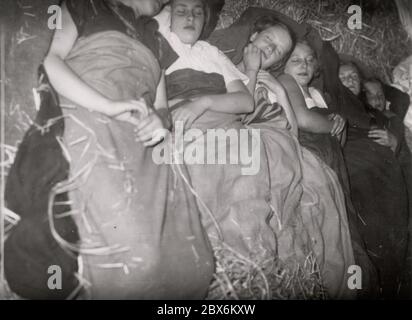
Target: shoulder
x=83 y=10
x=213 y=53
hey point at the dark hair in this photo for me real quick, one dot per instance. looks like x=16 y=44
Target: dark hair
x=266 y=22
x=352 y=65
x=374 y=80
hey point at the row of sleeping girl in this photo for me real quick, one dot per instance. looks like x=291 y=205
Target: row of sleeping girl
x=270 y=44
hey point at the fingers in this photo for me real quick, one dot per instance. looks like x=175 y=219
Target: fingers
x=252 y=57
x=334 y=128
x=341 y=127
x=144 y=123
x=382 y=142
x=338 y=126
x=127 y=117
x=252 y=49
x=136 y=105
x=158 y=136
x=152 y=132
x=378 y=134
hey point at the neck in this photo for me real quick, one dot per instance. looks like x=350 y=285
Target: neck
x=305 y=88
x=128 y=3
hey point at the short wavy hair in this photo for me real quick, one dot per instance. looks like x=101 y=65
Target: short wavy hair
x=318 y=64
x=267 y=21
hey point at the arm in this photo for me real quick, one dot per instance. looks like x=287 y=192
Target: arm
x=161 y=104
x=272 y=84
x=307 y=120
x=283 y=100
x=66 y=82
x=238 y=100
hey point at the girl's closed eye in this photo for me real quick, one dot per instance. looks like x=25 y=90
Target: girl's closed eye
x=199 y=13
x=310 y=60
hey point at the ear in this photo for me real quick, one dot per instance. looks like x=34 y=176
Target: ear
x=253 y=37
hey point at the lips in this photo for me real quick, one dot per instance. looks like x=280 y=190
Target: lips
x=189 y=28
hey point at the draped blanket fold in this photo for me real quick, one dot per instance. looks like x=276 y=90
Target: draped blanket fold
x=290 y=207
x=140 y=231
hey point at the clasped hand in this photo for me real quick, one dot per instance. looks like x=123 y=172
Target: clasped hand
x=189 y=112
x=149 y=127
x=384 y=138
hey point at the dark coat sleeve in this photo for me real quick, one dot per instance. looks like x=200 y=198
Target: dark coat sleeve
x=399 y=101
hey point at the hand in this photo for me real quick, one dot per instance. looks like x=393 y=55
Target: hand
x=150 y=130
x=252 y=58
x=339 y=124
x=188 y=113
x=124 y=110
x=384 y=138
x=269 y=81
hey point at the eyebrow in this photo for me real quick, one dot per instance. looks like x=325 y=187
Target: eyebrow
x=181 y=5
x=185 y=5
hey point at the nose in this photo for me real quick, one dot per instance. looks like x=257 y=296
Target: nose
x=304 y=64
x=190 y=16
x=351 y=81
x=269 y=50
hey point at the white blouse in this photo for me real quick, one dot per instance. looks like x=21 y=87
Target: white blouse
x=315 y=98
x=201 y=56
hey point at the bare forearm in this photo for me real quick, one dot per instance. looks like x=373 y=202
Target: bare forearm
x=235 y=102
x=69 y=85
x=251 y=86
x=290 y=114
x=307 y=120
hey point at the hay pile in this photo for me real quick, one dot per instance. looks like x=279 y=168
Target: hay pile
x=262 y=277
x=381 y=44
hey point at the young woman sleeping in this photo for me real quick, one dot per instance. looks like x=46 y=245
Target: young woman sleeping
x=275 y=210
x=139 y=226
x=372 y=167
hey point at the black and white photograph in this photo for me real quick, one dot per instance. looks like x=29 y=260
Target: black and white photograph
x=216 y=151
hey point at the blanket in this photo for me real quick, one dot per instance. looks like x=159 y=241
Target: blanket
x=290 y=207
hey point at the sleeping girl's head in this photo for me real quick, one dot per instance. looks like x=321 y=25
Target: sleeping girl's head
x=274 y=39
x=375 y=94
x=144 y=7
x=302 y=65
x=350 y=77
x=188 y=18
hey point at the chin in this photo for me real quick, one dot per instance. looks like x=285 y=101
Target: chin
x=188 y=39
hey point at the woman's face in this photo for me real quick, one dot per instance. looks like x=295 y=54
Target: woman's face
x=349 y=76
x=188 y=19
x=375 y=95
x=274 y=43
x=146 y=7
x=302 y=64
